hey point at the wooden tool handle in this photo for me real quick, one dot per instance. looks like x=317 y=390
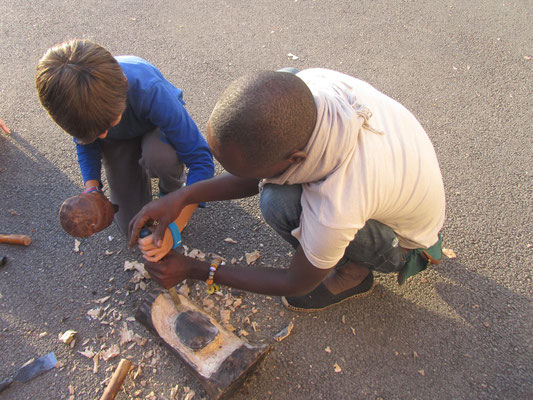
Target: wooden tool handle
x=116 y=380
x=23 y=240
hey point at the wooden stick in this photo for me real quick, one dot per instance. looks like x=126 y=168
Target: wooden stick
x=116 y=380
x=23 y=240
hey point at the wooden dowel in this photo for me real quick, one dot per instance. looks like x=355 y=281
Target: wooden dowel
x=116 y=380
x=22 y=240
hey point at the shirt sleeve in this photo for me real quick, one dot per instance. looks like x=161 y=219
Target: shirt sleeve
x=90 y=160
x=162 y=105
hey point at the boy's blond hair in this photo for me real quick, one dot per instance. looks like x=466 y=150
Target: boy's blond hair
x=82 y=87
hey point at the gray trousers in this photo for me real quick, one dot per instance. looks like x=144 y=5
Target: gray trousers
x=375 y=246
x=130 y=165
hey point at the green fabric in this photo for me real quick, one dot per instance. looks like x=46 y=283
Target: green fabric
x=416 y=262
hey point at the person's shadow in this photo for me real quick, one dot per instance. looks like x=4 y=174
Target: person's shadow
x=435 y=337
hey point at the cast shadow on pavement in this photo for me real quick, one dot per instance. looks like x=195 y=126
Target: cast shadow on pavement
x=426 y=339
x=39 y=282
x=422 y=340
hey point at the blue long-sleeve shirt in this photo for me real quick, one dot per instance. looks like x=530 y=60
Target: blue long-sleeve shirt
x=152 y=102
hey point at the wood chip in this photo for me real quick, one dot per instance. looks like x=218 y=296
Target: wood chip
x=126 y=335
x=77 y=245
x=189 y=395
x=337 y=368
x=328 y=349
x=230 y=240
x=252 y=257
x=96 y=359
x=88 y=352
x=284 y=332
x=195 y=253
x=422 y=372
x=71 y=389
x=242 y=332
x=140 y=340
x=151 y=396
x=174 y=392
x=95 y=313
x=137 y=372
x=112 y=352
x=68 y=336
x=137 y=277
x=449 y=253
x=101 y=300
x=132 y=265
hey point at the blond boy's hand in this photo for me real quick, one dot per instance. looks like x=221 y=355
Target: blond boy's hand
x=153 y=253
x=4 y=127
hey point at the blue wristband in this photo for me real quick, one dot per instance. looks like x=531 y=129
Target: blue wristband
x=176 y=235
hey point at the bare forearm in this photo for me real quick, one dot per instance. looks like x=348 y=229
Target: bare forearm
x=262 y=280
x=221 y=187
x=301 y=277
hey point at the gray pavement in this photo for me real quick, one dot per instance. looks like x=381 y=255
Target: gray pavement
x=462 y=330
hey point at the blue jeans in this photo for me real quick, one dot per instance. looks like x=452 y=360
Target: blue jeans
x=375 y=246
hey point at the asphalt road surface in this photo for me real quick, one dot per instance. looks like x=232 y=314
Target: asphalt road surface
x=462 y=330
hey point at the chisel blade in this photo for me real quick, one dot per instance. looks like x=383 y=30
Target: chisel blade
x=36 y=368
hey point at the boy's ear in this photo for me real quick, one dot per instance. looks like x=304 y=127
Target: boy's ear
x=297 y=157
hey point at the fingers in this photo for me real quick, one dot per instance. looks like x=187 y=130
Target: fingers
x=159 y=274
x=159 y=233
x=153 y=255
x=150 y=251
x=135 y=226
x=154 y=271
x=148 y=247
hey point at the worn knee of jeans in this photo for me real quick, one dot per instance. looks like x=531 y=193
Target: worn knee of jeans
x=280 y=206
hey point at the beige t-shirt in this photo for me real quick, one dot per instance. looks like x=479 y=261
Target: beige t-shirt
x=353 y=174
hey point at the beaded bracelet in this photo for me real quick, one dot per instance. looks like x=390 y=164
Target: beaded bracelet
x=212 y=287
x=92 y=189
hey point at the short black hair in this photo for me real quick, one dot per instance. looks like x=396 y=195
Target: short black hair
x=268 y=115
